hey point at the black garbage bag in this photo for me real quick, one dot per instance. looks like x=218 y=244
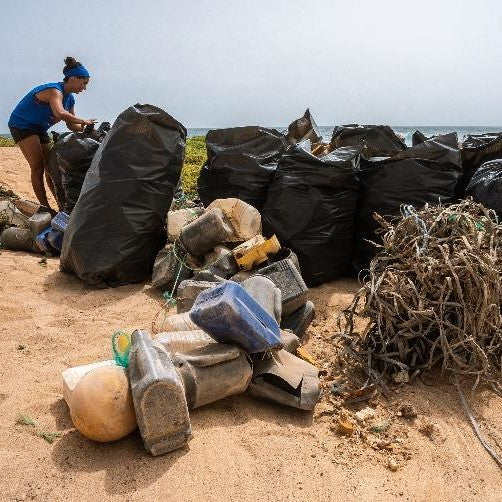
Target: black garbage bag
x=240 y=163
x=303 y=129
x=477 y=149
x=486 y=185
x=373 y=140
x=69 y=161
x=118 y=224
x=311 y=208
x=425 y=173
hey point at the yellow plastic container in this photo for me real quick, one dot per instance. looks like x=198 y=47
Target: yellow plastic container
x=255 y=251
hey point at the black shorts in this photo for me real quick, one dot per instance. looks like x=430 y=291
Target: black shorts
x=20 y=134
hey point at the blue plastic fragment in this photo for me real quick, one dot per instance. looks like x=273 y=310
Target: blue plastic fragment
x=230 y=314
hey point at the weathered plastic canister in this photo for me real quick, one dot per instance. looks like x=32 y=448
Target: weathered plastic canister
x=28 y=207
x=184 y=341
x=213 y=372
x=266 y=293
x=179 y=322
x=255 y=251
x=283 y=254
x=300 y=320
x=286 y=379
x=221 y=262
x=38 y=222
x=12 y=214
x=290 y=342
x=158 y=395
x=230 y=314
x=176 y=220
x=206 y=275
x=168 y=270
x=188 y=291
x=242 y=275
x=17 y=239
x=244 y=218
x=206 y=232
x=287 y=278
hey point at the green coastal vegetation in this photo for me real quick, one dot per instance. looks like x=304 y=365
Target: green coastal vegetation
x=195 y=156
x=7 y=142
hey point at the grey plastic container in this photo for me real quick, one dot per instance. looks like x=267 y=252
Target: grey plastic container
x=213 y=372
x=287 y=278
x=39 y=222
x=286 y=379
x=184 y=341
x=178 y=322
x=290 y=342
x=188 y=291
x=17 y=239
x=158 y=395
x=221 y=262
x=206 y=232
x=242 y=275
x=300 y=320
x=206 y=275
x=286 y=254
x=168 y=271
x=266 y=293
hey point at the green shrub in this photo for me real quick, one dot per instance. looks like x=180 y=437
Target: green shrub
x=195 y=156
x=7 y=142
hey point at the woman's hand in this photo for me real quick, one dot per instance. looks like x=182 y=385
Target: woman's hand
x=86 y=122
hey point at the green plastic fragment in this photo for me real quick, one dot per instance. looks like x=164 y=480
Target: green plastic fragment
x=121 y=345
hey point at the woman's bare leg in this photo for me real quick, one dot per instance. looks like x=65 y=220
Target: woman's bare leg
x=45 y=152
x=32 y=150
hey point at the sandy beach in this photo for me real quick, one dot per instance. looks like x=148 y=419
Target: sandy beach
x=243 y=449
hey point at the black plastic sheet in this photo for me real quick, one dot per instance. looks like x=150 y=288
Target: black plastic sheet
x=486 y=185
x=311 y=207
x=118 y=224
x=241 y=163
x=69 y=161
x=477 y=149
x=426 y=173
x=373 y=140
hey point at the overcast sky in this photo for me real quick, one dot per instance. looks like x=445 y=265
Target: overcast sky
x=229 y=63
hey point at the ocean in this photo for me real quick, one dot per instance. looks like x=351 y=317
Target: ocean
x=406 y=131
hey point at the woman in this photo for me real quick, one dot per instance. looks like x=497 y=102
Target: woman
x=40 y=109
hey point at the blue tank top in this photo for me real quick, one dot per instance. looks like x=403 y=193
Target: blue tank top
x=30 y=113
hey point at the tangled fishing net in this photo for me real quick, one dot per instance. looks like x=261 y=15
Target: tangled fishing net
x=433 y=296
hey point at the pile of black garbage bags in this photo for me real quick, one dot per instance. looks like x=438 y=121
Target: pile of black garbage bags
x=320 y=198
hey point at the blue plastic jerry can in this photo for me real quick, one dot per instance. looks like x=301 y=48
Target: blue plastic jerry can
x=42 y=242
x=55 y=238
x=60 y=221
x=230 y=314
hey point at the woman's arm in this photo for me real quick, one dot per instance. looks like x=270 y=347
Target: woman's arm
x=56 y=103
x=74 y=127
